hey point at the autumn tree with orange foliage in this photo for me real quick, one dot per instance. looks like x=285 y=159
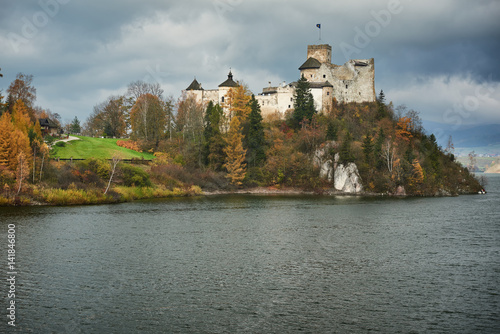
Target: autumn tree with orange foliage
x=403 y=129
x=237 y=103
x=14 y=138
x=235 y=153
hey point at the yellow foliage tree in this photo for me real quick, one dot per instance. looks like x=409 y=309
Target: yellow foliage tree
x=417 y=177
x=237 y=102
x=12 y=142
x=20 y=116
x=403 y=128
x=235 y=153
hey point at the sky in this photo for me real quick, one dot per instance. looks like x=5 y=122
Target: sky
x=439 y=58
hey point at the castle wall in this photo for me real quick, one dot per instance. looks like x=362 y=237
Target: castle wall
x=322 y=52
x=352 y=82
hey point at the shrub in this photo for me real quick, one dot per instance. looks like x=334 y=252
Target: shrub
x=60 y=144
x=130 y=144
x=134 y=176
x=100 y=167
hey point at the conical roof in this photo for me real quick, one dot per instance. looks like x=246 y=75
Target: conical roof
x=195 y=85
x=229 y=82
x=310 y=63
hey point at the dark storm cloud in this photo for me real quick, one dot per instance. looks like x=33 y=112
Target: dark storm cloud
x=87 y=50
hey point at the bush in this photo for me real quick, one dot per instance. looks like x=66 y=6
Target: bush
x=100 y=167
x=130 y=144
x=134 y=176
x=60 y=144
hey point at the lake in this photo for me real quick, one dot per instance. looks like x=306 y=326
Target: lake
x=258 y=264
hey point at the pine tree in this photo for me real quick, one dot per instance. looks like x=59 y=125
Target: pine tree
x=381 y=110
x=345 y=150
x=213 y=150
x=368 y=148
x=75 y=126
x=235 y=153
x=303 y=103
x=255 y=138
x=377 y=150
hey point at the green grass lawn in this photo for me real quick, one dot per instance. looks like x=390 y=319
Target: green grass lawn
x=101 y=148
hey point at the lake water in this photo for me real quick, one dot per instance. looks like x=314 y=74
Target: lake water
x=254 y=264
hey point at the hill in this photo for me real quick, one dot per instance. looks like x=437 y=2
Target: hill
x=482 y=139
x=101 y=148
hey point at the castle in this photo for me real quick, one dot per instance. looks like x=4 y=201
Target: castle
x=352 y=82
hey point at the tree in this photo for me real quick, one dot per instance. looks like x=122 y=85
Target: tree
x=303 y=103
x=345 y=153
x=404 y=129
x=44 y=150
x=148 y=118
x=388 y=154
x=109 y=118
x=235 y=153
x=450 y=147
x=255 y=138
x=22 y=89
x=189 y=119
x=237 y=103
x=214 y=142
x=114 y=162
x=74 y=127
x=377 y=149
x=13 y=141
x=139 y=88
x=381 y=107
x=22 y=171
x=472 y=161
x=368 y=148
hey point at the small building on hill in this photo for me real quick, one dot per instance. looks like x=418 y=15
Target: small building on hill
x=48 y=127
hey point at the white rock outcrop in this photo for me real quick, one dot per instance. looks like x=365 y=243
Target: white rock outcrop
x=347 y=179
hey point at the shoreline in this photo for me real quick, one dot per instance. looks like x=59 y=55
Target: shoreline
x=23 y=201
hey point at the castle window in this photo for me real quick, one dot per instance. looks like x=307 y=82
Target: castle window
x=222 y=100
x=311 y=75
x=327 y=93
x=291 y=99
x=345 y=86
x=289 y=106
x=359 y=93
x=324 y=76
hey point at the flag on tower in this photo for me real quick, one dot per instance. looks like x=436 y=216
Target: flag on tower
x=318 y=25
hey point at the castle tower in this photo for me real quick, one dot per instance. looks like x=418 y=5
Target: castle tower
x=322 y=52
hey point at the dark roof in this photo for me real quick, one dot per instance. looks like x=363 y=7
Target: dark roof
x=360 y=63
x=195 y=85
x=229 y=82
x=310 y=63
x=320 y=84
x=47 y=122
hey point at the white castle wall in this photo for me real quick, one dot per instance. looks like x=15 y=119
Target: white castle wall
x=352 y=82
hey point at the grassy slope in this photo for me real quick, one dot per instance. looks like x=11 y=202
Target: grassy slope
x=102 y=148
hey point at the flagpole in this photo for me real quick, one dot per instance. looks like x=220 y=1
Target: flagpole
x=319 y=27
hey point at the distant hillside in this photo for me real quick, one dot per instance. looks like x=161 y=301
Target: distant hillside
x=483 y=139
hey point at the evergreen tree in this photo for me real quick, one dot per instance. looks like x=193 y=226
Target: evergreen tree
x=75 y=126
x=368 y=148
x=303 y=103
x=377 y=150
x=331 y=131
x=213 y=149
x=255 y=138
x=381 y=110
x=345 y=154
x=235 y=153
